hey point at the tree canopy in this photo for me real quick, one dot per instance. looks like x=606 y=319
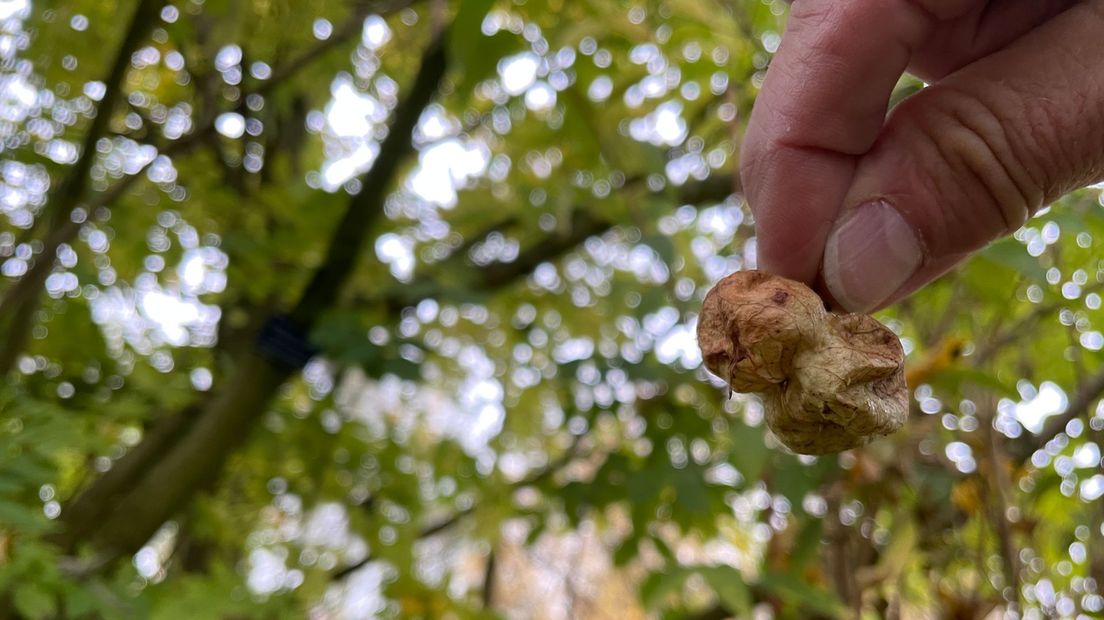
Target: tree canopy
x=386 y=308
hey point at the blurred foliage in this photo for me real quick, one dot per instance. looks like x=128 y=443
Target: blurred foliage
x=510 y=370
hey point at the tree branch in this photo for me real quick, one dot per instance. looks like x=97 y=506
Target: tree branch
x=20 y=303
x=999 y=501
x=354 y=26
x=198 y=455
x=495 y=276
x=448 y=522
x=81 y=516
x=489 y=580
x=70 y=191
x=364 y=208
x=1017 y=330
x=22 y=298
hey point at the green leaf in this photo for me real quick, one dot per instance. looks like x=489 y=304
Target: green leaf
x=807 y=543
x=663 y=246
x=79 y=603
x=749 y=450
x=33 y=602
x=726 y=582
x=401 y=368
x=729 y=585
x=475 y=54
x=693 y=496
x=625 y=552
x=1013 y=255
x=801 y=594
x=659 y=585
x=796 y=479
x=21 y=517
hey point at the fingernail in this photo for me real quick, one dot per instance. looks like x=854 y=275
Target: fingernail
x=870 y=256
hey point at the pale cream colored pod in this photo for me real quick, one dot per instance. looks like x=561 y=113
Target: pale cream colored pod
x=751 y=325
x=829 y=382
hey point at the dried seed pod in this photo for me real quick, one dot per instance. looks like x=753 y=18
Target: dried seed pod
x=829 y=382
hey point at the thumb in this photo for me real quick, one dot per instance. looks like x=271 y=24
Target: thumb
x=969 y=159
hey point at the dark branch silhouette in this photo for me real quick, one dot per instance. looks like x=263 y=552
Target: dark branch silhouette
x=196 y=457
x=21 y=301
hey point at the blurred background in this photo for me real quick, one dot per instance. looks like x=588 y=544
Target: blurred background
x=386 y=308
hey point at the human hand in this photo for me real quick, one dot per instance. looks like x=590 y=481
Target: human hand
x=869 y=207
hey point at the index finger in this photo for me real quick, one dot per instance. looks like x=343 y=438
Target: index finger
x=822 y=104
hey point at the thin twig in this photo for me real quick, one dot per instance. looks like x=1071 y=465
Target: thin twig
x=489 y=580
x=496 y=276
x=1018 y=329
x=354 y=26
x=1000 y=504
x=448 y=522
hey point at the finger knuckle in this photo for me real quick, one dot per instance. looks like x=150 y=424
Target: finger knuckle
x=984 y=152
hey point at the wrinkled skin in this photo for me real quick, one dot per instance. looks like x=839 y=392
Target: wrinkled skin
x=829 y=382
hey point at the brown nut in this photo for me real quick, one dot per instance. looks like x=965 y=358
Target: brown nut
x=829 y=382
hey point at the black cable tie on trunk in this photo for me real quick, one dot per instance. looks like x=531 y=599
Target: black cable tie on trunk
x=284 y=342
